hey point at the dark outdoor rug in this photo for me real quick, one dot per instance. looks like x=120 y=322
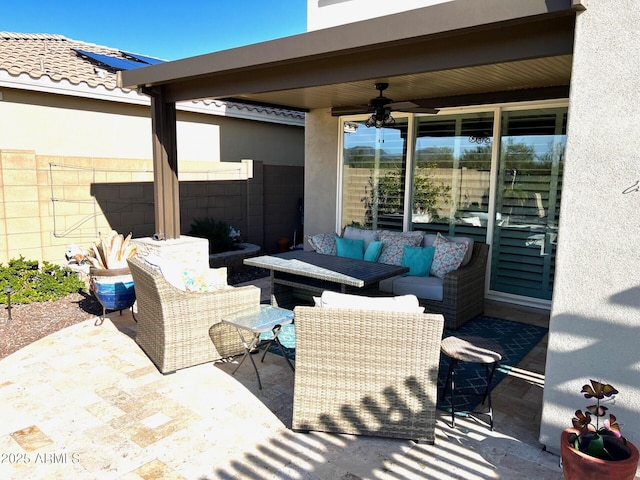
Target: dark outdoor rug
x=517 y=339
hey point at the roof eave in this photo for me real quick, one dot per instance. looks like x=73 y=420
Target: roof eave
x=405 y=27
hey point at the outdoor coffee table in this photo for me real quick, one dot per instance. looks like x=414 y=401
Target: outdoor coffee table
x=257 y=320
x=298 y=275
x=475 y=350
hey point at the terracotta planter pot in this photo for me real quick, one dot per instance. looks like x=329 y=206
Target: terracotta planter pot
x=577 y=465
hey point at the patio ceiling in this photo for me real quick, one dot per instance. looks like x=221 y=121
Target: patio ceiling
x=460 y=52
x=537 y=78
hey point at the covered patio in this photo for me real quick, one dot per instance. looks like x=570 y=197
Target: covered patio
x=463 y=54
x=451 y=54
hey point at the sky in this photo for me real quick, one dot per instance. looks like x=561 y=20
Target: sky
x=166 y=29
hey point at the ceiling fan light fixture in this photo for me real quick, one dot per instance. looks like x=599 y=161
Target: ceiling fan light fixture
x=380 y=118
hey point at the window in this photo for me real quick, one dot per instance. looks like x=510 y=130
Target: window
x=374 y=172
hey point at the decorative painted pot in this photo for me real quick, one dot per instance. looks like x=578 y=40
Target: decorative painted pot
x=577 y=465
x=113 y=288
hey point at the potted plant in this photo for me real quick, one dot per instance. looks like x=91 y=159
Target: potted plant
x=597 y=450
x=111 y=280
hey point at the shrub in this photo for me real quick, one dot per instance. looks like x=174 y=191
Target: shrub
x=33 y=284
x=216 y=232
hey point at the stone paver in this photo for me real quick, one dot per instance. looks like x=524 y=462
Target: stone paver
x=86 y=403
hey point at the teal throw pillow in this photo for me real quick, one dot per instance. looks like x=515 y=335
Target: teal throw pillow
x=418 y=259
x=349 y=248
x=372 y=253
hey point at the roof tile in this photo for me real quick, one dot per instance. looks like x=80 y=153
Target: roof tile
x=40 y=54
x=52 y=55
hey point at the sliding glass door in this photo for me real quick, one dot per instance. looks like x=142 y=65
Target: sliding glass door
x=451 y=174
x=493 y=175
x=528 y=202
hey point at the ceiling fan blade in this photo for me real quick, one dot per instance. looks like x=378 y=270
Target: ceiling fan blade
x=401 y=105
x=349 y=110
x=422 y=110
x=411 y=107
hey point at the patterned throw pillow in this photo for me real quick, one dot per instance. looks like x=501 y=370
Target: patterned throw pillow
x=448 y=256
x=393 y=244
x=324 y=243
x=205 y=280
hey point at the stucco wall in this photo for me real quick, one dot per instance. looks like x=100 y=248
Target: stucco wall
x=595 y=315
x=64 y=125
x=320 y=175
x=281 y=145
x=329 y=13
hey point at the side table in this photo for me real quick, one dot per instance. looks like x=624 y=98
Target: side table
x=257 y=320
x=475 y=350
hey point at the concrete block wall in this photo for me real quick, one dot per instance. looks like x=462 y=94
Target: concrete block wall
x=48 y=202
x=255 y=229
x=283 y=187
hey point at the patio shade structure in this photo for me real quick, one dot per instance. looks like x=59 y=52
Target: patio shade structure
x=464 y=52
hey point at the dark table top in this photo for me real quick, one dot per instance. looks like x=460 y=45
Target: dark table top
x=348 y=271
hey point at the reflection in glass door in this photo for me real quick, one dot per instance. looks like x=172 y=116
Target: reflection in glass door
x=451 y=175
x=374 y=175
x=528 y=202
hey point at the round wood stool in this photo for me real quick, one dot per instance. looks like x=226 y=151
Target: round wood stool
x=474 y=350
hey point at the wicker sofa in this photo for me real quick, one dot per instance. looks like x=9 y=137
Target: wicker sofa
x=463 y=290
x=366 y=372
x=179 y=329
x=459 y=295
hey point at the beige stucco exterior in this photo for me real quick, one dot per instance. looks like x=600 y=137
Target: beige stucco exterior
x=329 y=13
x=67 y=125
x=595 y=317
x=321 y=172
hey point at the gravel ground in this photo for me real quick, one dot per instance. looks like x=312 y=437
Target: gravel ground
x=30 y=322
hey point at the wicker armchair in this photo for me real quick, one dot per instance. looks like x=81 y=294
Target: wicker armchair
x=464 y=289
x=366 y=372
x=178 y=329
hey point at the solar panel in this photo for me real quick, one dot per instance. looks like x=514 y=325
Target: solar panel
x=112 y=62
x=142 y=58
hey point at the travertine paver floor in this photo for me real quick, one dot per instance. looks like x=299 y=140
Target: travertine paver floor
x=86 y=403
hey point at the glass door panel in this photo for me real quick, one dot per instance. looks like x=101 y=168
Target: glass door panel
x=528 y=202
x=373 y=177
x=452 y=173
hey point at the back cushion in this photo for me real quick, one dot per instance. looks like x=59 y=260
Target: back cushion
x=430 y=239
x=324 y=243
x=393 y=244
x=404 y=303
x=354 y=233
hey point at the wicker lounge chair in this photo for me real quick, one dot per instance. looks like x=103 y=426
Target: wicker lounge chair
x=179 y=329
x=366 y=372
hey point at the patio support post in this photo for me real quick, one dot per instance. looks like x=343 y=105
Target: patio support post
x=165 y=165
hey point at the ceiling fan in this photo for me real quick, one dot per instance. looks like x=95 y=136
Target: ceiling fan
x=381 y=107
